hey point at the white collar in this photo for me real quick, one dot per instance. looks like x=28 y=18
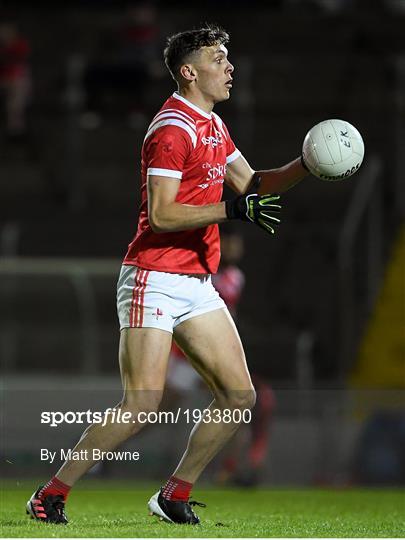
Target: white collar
x=191 y=105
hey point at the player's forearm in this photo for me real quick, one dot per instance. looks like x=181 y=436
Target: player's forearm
x=283 y=178
x=180 y=217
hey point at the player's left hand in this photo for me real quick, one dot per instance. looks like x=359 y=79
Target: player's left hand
x=259 y=209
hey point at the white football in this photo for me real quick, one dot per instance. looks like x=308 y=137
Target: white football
x=333 y=150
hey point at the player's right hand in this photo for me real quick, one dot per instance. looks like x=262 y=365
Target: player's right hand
x=259 y=209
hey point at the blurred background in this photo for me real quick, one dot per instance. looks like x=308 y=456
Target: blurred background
x=321 y=313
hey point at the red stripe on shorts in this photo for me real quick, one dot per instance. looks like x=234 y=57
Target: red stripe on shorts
x=138 y=298
x=138 y=281
x=134 y=298
x=142 y=296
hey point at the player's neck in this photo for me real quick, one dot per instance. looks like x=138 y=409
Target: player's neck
x=197 y=99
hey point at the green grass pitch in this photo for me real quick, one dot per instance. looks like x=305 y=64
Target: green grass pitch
x=113 y=509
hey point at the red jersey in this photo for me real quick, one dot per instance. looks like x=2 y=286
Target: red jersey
x=185 y=143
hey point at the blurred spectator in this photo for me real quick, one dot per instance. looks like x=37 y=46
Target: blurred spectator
x=380 y=457
x=15 y=79
x=126 y=63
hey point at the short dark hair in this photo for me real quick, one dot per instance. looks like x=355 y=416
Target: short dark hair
x=181 y=45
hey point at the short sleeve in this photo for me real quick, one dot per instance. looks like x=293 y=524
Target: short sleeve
x=232 y=152
x=166 y=151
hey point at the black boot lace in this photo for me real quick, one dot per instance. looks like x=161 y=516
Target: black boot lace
x=196 y=503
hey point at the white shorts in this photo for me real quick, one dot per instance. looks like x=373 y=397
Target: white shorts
x=151 y=299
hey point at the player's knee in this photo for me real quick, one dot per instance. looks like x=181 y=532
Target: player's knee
x=142 y=405
x=241 y=399
x=249 y=398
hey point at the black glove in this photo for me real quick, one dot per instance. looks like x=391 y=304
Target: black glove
x=260 y=209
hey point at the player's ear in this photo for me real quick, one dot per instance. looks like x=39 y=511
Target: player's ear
x=187 y=72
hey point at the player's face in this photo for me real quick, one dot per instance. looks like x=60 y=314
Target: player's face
x=214 y=73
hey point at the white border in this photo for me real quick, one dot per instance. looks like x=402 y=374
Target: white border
x=192 y=106
x=152 y=171
x=233 y=156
